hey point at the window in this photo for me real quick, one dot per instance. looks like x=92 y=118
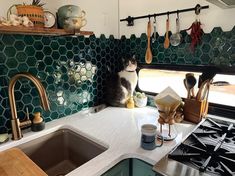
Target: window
x=154 y=79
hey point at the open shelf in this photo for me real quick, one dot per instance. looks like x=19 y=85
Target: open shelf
x=39 y=31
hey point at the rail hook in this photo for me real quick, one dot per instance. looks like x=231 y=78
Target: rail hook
x=197 y=9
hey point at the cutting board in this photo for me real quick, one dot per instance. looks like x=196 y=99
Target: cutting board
x=13 y=162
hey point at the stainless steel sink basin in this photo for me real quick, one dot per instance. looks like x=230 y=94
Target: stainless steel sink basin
x=62 y=151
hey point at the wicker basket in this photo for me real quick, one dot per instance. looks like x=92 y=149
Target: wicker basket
x=34 y=13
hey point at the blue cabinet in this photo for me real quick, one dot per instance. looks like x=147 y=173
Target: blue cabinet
x=120 y=169
x=141 y=168
x=131 y=167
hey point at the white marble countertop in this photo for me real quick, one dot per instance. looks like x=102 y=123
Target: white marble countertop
x=118 y=129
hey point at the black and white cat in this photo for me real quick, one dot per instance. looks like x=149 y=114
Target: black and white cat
x=120 y=87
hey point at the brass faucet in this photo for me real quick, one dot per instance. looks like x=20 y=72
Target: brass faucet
x=15 y=122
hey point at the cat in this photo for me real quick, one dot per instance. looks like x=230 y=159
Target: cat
x=120 y=86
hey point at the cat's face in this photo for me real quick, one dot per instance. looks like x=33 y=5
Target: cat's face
x=130 y=64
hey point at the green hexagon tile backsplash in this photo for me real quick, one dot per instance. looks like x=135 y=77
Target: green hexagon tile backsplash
x=73 y=69
x=216 y=48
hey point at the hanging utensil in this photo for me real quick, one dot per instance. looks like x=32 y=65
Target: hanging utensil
x=176 y=38
x=167 y=41
x=148 y=54
x=154 y=30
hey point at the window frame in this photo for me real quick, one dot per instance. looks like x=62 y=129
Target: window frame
x=215 y=109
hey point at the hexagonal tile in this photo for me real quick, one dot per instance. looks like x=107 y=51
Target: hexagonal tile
x=143 y=37
x=8 y=40
x=19 y=45
x=9 y=51
x=69 y=46
x=4 y=69
x=11 y=63
x=160 y=56
x=46 y=40
x=47 y=50
x=48 y=60
x=54 y=45
x=217 y=31
x=62 y=50
x=23 y=67
x=87 y=41
x=55 y=55
x=29 y=50
x=206 y=48
x=38 y=45
x=28 y=39
x=205 y=58
x=61 y=41
x=21 y=57
x=69 y=54
x=2 y=58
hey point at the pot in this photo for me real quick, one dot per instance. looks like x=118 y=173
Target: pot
x=69 y=11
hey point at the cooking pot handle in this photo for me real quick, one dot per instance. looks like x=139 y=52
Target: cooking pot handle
x=84 y=22
x=83 y=14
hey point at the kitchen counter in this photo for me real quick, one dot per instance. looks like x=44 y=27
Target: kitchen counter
x=118 y=129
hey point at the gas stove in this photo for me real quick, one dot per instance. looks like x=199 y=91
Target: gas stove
x=209 y=150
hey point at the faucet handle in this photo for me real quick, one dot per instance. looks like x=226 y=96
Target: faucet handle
x=27 y=122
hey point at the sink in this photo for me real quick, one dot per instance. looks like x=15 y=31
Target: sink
x=60 y=152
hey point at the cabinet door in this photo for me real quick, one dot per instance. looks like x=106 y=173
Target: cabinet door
x=121 y=169
x=141 y=168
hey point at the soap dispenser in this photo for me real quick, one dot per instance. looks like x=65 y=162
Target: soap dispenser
x=38 y=122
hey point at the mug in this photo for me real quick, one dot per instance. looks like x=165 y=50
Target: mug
x=148 y=137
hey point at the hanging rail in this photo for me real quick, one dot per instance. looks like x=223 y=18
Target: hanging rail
x=197 y=8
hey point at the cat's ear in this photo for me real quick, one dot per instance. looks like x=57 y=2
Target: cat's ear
x=123 y=60
x=134 y=56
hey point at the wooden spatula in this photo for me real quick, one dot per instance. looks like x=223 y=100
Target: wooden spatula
x=148 y=54
x=167 y=40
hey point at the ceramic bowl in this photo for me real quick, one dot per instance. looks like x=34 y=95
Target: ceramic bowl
x=140 y=102
x=69 y=11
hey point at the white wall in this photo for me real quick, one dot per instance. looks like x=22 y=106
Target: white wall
x=212 y=17
x=102 y=15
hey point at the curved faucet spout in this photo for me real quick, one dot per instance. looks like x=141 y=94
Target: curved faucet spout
x=16 y=131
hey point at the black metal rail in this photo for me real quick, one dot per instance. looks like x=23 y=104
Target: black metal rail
x=197 y=9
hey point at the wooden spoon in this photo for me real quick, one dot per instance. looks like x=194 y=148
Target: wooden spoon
x=148 y=54
x=191 y=82
x=167 y=40
x=187 y=88
x=204 y=88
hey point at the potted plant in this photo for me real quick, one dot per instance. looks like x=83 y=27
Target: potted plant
x=33 y=11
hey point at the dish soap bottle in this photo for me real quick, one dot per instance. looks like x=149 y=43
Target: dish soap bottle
x=38 y=123
x=130 y=103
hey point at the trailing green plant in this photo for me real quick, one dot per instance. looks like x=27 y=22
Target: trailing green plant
x=37 y=3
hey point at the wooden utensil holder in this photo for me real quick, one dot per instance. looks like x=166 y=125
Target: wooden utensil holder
x=195 y=110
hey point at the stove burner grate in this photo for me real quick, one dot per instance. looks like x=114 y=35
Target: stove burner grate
x=209 y=149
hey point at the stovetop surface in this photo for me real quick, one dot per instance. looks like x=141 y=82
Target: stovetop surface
x=209 y=149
